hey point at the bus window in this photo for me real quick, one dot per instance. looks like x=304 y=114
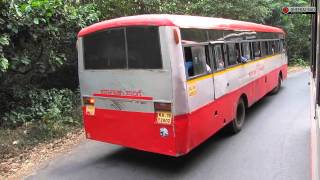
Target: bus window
x=208 y=62
x=195 y=61
x=143 y=48
x=282 y=46
x=277 y=46
x=256 y=50
x=196 y=35
x=225 y=54
x=233 y=54
x=245 y=47
x=264 y=48
x=218 y=57
x=123 y=48
x=272 y=47
x=105 y=50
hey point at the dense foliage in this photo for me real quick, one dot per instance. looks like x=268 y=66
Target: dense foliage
x=37 y=45
x=49 y=107
x=37 y=48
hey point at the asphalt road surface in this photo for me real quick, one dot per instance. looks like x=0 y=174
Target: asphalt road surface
x=274 y=145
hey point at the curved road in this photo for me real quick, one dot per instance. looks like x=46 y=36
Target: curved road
x=274 y=145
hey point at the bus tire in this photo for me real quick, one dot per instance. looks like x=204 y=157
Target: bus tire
x=278 y=87
x=236 y=125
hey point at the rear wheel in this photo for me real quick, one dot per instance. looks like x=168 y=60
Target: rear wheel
x=236 y=125
x=278 y=87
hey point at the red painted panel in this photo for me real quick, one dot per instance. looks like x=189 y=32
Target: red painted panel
x=182 y=21
x=132 y=129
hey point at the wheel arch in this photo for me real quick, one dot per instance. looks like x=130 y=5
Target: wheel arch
x=280 y=74
x=245 y=99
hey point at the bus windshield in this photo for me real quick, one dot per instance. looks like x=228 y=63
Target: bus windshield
x=123 y=48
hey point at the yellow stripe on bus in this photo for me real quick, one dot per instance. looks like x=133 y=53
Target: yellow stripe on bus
x=227 y=70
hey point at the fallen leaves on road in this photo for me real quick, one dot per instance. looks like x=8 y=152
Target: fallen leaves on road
x=30 y=160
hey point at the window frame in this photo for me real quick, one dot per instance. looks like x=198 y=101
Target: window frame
x=254 y=52
x=126 y=50
x=205 y=45
x=250 y=49
x=237 y=62
x=222 y=47
x=266 y=43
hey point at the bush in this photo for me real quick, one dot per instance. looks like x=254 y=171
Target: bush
x=47 y=108
x=298 y=62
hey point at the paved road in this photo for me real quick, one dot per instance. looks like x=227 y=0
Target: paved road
x=274 y=145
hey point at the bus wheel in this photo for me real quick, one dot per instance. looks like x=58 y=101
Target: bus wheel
x=236 y=125
x=277 y=88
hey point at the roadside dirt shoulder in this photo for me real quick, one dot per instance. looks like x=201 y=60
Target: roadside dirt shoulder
x=15 y=169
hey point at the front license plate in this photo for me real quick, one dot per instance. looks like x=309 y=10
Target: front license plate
x=90 y=110
x=164 y=118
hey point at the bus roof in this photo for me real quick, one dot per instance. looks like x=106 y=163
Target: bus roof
x=182 y=21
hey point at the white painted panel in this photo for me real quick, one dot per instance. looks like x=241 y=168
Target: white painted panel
x=203 y=93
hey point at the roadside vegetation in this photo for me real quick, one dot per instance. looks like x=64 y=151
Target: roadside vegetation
x=39 y=92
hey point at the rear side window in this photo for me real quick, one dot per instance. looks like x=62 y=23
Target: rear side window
x=123 y=48
x=105 y=50
x=196 y=61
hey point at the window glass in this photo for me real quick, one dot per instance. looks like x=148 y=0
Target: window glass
x=215 y=35
x=218 y=57
x=143 y=48
x=246 y=50
x=105 y=50
x=225 y=54
x=233 y=54
x=208 y=62
x=281 y=46
x=264 y=48
x=195 y=35
x=271 y=47
x=277 y=46
x=195 y=61
x=256 y=49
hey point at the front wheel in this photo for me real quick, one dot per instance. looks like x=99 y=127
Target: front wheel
x=236 y=125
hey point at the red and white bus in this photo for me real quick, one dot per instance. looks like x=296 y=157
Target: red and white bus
x=166 y=83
